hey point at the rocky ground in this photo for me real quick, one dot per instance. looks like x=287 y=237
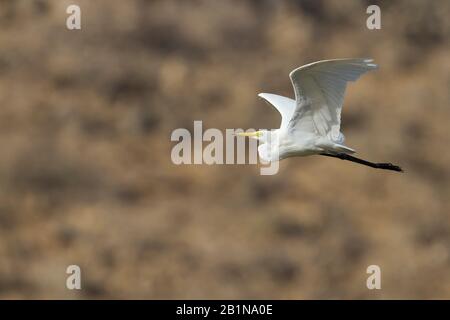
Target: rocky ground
x=86 y=176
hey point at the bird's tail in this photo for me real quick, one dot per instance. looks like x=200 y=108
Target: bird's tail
x=341 y=148
x=333 y=147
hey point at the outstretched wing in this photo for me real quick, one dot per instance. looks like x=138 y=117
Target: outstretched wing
x=284 y=105
x=319 y=93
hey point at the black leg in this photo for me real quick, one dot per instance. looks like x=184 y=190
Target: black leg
x=344 y=156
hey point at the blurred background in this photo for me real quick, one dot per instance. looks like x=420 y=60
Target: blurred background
x=86 y=176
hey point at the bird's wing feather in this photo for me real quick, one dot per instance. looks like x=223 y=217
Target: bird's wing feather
x=319 y=93
x=284 y=105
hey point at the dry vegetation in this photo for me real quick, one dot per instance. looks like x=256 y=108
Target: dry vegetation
x=85 y=169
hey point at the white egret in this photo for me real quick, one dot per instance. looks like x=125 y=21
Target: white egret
x=310 y=124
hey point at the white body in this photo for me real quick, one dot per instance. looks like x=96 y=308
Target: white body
x=283 y=145
x=310 y=124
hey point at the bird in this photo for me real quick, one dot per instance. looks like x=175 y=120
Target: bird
x=310 y=124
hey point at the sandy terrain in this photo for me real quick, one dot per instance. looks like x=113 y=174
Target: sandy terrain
x=86 y=176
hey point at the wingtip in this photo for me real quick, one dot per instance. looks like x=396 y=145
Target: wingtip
x=263 y=95
x=368 y=63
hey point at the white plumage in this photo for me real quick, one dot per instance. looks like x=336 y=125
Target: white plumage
x=310 y=124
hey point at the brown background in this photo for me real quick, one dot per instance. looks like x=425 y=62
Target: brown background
x=86 y=176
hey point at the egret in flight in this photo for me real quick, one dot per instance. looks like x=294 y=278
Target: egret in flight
x=310 y=124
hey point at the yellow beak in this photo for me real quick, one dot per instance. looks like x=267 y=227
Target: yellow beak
x=256 y=134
